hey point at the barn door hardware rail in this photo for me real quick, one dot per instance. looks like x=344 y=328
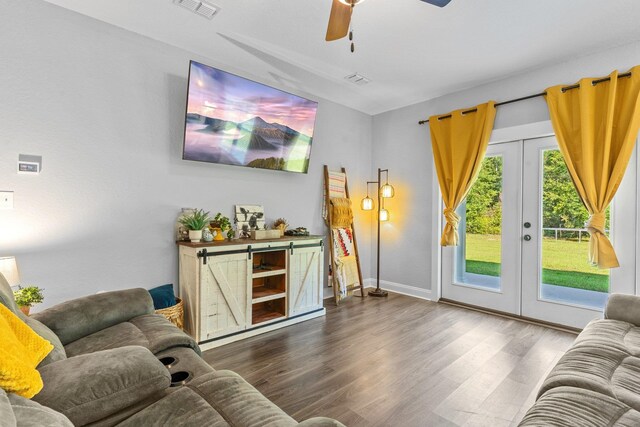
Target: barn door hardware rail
x=249 y=250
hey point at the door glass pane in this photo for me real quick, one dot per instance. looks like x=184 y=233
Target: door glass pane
x=567 y=276
x=479 y=255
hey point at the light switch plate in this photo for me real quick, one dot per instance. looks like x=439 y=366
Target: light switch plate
x=6 y=199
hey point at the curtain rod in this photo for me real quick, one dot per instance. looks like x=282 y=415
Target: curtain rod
x=524 y=98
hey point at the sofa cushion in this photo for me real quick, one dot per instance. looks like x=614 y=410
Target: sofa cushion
x=611 y=333
x=84 y=316
x=6 y=413
x=120 y=335
x=18 y=411
x=603 y=369
x=237 y=401
x=569 y=406
x=184 y=407
x=58 y=352
x=90 y=387
x=151 y=331
x=122 y=414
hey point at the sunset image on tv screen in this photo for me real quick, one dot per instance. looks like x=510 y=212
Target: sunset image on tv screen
x=235 y=121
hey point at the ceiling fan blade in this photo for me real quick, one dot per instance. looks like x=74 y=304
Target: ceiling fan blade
x=439 y=3
x=339 y=21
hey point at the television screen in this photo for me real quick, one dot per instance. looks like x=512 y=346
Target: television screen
x=235 y=121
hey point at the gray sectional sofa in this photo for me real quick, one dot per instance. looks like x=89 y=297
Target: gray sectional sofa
x=597 y=382
x=115 y=362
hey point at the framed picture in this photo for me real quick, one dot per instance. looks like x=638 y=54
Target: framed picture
x=249 y=217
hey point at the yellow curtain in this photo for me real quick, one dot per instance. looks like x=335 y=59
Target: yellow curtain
x=596 y=126
x=459 y=145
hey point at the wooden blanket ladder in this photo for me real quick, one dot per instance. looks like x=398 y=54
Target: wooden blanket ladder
x=336 y=187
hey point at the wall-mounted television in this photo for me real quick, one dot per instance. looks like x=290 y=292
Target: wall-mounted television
x=236 y=121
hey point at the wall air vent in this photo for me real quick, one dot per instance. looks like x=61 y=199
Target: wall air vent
x=357 y=79
x=199 y=7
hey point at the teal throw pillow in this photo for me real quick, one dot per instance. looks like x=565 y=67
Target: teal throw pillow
x=163 y=296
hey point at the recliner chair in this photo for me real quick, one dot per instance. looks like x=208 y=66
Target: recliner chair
x=115 y=362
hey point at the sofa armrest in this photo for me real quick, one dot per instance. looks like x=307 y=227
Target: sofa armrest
x=623 y=307
x=93 y=386
x=84 y=316
x=320 y=422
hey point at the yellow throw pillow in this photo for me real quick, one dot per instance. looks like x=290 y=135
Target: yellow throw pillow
x=21 y=350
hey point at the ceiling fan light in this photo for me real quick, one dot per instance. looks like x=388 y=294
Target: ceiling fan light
x=348 y=2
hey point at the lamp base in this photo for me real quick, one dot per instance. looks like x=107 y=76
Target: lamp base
x=379 y=293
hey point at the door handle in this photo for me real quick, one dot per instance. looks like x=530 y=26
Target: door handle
x=527 y=225
x=527 y=237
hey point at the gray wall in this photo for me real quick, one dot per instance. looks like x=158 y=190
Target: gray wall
x=105 y=109
x=404 y=147
x=105 y=106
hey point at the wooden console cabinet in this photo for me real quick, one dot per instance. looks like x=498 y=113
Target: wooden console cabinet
x=233 y=290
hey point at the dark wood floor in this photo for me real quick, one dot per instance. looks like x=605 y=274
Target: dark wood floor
x=400 y=361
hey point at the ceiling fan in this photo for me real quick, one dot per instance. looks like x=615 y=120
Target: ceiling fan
x=340 y=18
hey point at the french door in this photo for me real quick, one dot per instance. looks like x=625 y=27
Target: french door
x=484 y=269
x=523 y=248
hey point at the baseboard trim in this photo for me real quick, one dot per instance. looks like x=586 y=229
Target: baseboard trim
x=524 y=319
x=400 y=288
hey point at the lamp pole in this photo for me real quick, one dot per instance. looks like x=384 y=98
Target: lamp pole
x=377 y=292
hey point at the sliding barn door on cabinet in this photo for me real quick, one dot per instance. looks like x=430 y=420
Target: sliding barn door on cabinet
x=305 y=267
x=226 y=306
x=236 y=289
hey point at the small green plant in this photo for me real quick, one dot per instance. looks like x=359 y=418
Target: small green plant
x=195 y=221
x=26 y=297
x=231 y=234
x=220 y=221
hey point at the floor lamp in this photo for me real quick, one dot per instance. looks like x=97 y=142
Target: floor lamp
x=384 y=192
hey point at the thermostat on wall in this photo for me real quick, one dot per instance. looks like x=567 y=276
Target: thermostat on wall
x=29 y=164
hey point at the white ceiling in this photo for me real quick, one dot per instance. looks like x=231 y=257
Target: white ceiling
x=410 y=50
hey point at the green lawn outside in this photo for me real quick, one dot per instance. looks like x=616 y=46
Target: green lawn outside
x=564 y=262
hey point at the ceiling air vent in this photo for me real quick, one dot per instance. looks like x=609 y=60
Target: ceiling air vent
x=357 y=79
x=201 y=8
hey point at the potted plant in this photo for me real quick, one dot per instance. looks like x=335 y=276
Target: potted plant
x=280 y=224
x=27 y=297
x=195 y=222
x=220 y=224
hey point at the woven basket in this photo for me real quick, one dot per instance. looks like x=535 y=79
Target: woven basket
x=174 y=314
